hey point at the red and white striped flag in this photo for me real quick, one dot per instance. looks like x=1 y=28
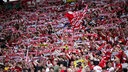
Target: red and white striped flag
x=75 y=18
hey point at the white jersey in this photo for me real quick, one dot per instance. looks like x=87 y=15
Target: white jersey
x=97 y=68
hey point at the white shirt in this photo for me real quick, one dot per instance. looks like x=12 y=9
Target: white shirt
x=111 y=69
x=47 y=70
x=97 y=68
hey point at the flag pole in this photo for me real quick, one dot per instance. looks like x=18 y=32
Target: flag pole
x=27 y=56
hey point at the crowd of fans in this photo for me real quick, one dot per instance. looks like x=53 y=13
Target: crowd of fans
x=41 y=38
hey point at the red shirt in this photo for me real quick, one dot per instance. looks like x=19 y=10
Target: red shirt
x=90 y=65
x=63 y=71
x=18 y=69
x=120 y=54
x=120 y=67
x=79 y=70
x=102 y=63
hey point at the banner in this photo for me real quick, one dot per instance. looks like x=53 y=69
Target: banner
x=70 y=1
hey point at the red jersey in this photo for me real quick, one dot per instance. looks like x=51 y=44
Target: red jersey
x=119 y=67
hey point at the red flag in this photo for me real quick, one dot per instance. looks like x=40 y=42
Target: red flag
x=69 y=15
x=76 y=18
